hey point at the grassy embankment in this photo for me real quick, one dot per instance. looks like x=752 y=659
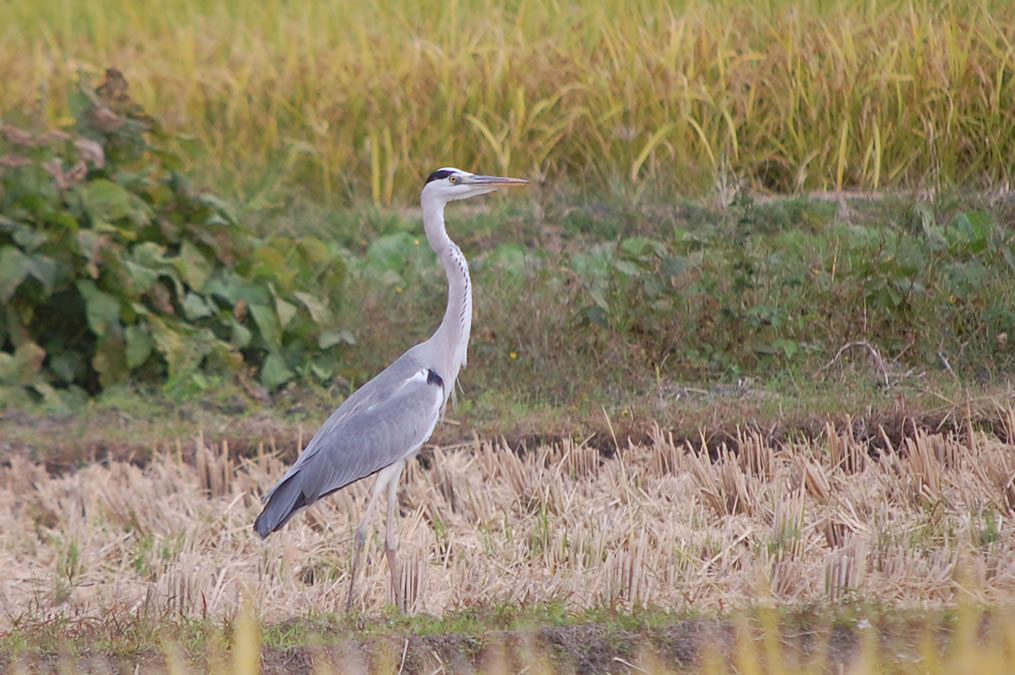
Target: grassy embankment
x=297 y=110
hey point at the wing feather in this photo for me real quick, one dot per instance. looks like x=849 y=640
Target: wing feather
x=384 y=421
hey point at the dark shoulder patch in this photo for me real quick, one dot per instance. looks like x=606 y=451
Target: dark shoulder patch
x=438 y=175
x=433 y=378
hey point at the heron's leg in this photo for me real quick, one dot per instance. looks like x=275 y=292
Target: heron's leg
x=389 y=540
x=361 y=532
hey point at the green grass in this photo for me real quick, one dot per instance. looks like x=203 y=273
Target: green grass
x=611 y=313
x=600 y=287
x=795 y=641
x=355 y=103
x=669 y=295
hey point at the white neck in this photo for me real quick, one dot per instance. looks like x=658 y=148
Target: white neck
x=451 y=340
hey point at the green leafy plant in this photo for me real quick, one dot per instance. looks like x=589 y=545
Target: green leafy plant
x=113 y=266
x=782 y=284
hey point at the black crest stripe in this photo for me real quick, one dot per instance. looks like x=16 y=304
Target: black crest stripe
x=438 y=175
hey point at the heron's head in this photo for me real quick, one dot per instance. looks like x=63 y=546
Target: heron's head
x=449 y=184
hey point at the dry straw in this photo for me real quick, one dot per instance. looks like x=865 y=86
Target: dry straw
x=656 y=525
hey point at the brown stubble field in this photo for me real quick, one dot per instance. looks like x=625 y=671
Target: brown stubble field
x=829 y=522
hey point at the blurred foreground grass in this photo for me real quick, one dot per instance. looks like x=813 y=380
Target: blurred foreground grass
x=540 y=640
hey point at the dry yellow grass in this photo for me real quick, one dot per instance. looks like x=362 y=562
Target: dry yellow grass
x=926 y=525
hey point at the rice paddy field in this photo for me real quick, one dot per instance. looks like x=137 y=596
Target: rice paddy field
x=739 y=391
x=350 y=100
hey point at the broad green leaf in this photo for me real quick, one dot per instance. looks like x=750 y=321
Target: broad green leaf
x=28 y=238
x=241 y=335
x=141 y=215
x=149 y=255
x=47 y=392
x=68 y=366
x=286 y=311
x=627 y=267
x=105 y=201
x=46 y=270
x=275 y=371
x=226 y=289
x=141 y=278
x=22 y=367
x=595 y=264
x=182 y=346
x=36 y=190
x=333 y=275
x=8 y=370
x=318 y=311
x=139 y=346
x=14 y=267
x=223 y=358
x=640 y=246
x=595 y=315
x=974 y=228
x=322 y=371
x=233 y=288
x=193 y=267
x=101 y=308
x=194 y=307
x=64 y=218
x=223 y=208
x=314 y=250
x=330 y=338
x=89 y=242
x=599 y=298
x=80 y=98
x=673 y=266
x=788 y=347
x=172 y=345
x=271 y=264
x=110 y=361
x=124 y=233
x=391 y=252
x=14 y=321
x=267 y=323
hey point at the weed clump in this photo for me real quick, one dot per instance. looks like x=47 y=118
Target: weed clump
x=114 y=267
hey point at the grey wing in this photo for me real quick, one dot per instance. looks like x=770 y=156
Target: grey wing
x=387 y=419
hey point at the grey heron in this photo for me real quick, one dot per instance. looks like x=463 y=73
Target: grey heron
x=387 y=420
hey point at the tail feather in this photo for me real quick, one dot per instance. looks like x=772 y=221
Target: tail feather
x=282 y=504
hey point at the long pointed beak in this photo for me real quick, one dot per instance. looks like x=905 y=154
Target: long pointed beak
x=496 y=181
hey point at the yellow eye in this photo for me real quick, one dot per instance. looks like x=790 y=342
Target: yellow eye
x=452 y=179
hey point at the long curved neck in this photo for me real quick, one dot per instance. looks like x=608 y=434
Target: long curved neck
x=451 y=339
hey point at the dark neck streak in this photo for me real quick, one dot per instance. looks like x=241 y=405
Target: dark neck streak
x=452 y=337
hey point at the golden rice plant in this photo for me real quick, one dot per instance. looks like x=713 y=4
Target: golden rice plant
x=353 y=98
